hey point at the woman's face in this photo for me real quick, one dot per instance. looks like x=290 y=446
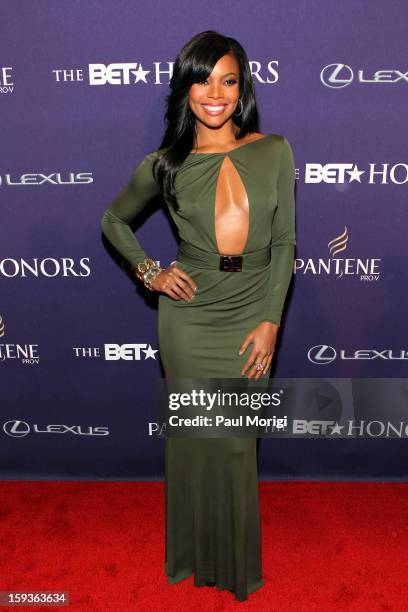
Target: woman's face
x=215 y=100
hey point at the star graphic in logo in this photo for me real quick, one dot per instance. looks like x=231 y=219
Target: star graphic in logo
x=355 y=174
x=140 y=74
x=336 y=429
x=150 y=353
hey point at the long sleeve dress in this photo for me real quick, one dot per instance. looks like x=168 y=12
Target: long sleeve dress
x=213 y=530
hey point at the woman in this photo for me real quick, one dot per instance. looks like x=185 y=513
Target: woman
x=230 y=191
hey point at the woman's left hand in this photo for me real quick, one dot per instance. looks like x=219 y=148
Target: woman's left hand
x=263 y=338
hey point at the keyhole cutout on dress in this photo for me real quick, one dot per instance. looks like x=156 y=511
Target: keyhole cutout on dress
x=231 y=210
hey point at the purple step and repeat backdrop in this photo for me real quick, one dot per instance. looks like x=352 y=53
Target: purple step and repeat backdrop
x=82 y=90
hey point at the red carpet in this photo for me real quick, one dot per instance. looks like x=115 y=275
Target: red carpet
x=326 y=546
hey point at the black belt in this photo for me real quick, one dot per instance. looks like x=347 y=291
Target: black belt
x=199 y=258
x=230 y=263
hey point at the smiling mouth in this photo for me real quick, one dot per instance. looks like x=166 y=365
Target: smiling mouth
x=214 y=109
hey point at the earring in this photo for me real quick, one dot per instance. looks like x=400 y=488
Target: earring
x=237 y=114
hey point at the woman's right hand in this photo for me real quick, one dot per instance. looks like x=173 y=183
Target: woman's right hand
x=175 y=283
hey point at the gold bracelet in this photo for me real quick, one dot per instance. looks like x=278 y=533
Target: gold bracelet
x=146 y=271
x=150 y=276
x=143 y=266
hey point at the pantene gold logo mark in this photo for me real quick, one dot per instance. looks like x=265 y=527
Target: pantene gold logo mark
x=27 y=354
x=339 y=243
x=365 y=269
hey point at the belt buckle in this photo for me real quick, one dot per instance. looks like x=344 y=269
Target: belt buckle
x=231 y=263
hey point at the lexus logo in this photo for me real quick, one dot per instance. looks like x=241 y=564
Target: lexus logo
x=19 y=429
x=16 y=429
x=322 y=354
x=336 y=75
x=341 y=75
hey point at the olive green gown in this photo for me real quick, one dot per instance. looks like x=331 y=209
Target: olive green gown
x=213 y=527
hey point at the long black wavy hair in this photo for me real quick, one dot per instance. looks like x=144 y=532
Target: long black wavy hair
x=193 y=64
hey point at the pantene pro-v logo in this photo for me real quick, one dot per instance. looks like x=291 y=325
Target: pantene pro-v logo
x=27 y=354
x=365 y=269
